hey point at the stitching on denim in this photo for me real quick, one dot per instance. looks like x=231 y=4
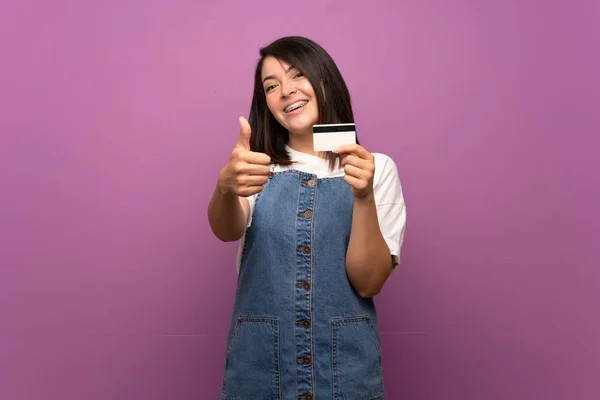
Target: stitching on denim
x=295 y=273
x=334 y=359
x=311 y=297
x=306 y=174
x=274 y=323
x=276 y=359
x=337 y=322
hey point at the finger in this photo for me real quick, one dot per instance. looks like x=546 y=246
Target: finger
x=245 y=132
x=356 y=172
x=357 y=162
x=344 y=149
x=253 y=157
x=255 y=180
x=356 y=183
x=354 y=149
x=250 y=190
x=254 y=169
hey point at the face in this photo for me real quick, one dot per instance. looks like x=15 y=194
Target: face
x=290 y=96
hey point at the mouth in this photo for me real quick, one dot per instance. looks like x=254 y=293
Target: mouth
x=295 y=106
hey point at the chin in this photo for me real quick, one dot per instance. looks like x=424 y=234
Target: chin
x=301 y=126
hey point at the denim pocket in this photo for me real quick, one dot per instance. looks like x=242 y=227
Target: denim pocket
x=252 y=365
x=356 y=359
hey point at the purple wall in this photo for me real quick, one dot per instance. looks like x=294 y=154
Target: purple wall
x=116 y=116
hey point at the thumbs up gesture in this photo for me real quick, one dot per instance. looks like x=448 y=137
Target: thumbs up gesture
x=246 y=172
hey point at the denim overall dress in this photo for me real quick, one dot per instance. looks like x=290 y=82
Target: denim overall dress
x=299 y=330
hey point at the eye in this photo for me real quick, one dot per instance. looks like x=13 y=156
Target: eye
x=269 y=88
x=299 y=75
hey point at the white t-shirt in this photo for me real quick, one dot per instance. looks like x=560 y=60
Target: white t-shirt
x=391 y=210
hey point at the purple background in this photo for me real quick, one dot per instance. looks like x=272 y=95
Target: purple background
x=116 y=116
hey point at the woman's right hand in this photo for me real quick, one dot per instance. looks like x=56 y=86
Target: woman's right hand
x=246 y=172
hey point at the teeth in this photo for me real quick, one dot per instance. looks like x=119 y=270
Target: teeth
x=295 y=106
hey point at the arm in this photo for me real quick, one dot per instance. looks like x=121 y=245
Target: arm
x=228 y=215
x=368 y=257
x=244 y=175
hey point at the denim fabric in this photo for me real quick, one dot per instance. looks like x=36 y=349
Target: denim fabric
x=298 y=329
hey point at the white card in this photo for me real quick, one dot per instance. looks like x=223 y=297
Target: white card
x=327 y=137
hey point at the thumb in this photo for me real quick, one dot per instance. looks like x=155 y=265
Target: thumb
x=245 y=131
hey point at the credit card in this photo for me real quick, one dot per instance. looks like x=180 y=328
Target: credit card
x=327 y=137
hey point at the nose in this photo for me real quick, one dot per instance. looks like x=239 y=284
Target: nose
x=287 y=89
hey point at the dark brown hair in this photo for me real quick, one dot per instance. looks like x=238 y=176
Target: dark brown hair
x=268 y=136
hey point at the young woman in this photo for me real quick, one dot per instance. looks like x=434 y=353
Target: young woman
x=320 y=235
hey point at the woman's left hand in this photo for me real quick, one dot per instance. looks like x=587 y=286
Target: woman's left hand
x=359 y=166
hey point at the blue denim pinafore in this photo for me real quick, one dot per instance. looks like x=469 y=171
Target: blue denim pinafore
x=299 y=330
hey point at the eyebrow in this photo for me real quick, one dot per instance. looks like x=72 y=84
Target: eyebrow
x=273 y=76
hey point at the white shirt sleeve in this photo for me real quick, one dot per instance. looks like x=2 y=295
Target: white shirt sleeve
x=391 y=210
x=251 y=201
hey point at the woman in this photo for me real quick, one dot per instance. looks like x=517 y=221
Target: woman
x=320 y=235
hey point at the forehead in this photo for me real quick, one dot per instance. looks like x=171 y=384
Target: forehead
x=274 y=66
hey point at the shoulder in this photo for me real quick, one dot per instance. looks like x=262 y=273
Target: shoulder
x=386 y=181
x=382 y=159
x=385 y=169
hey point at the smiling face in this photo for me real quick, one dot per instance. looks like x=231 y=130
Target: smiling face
x=290 y=96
